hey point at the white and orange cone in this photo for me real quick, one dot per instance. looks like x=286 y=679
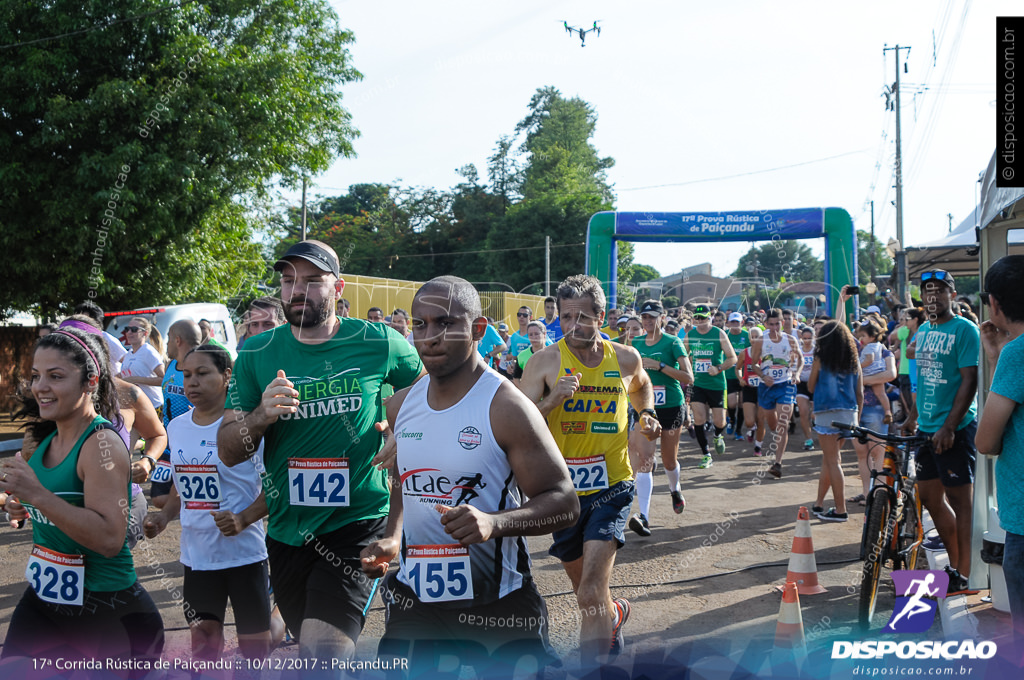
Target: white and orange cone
x=789 y=631
x=803 y=570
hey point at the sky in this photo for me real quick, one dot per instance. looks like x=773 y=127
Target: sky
x=704 y=106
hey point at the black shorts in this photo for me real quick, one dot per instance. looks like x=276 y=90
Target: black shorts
x=670 y=417
x=801 y=390
x=732 y=385
x=955 y=466
x=157 y=489
x=205 y=596
x=749 y=395
x=713 y=398
x=493 y=635
x=323 y=579
x=122 y=624
x=603 y=517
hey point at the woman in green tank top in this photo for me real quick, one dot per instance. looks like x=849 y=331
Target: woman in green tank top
x=83 y=600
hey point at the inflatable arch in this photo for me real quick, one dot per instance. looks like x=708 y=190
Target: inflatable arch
x=606 y=229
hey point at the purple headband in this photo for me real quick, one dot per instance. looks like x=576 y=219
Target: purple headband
x=84 y=346
x=80 y=325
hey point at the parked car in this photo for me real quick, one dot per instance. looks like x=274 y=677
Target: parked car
x=162 y=317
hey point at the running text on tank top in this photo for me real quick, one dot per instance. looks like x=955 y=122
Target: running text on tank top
x=450 y=458
x=590 y=428
x=775 y=358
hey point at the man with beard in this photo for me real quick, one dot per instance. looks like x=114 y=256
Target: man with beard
x=310 y=391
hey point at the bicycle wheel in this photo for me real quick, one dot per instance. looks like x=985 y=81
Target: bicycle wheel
x=877 y=550
x=909 y=532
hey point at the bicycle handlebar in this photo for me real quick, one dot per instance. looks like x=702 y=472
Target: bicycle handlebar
x=863 y=433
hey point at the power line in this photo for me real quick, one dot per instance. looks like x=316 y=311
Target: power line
x=471 y=252
x=99 y=27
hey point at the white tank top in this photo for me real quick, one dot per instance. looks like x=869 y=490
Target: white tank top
x=775 y=357
x=805 y=371
x=451 y=458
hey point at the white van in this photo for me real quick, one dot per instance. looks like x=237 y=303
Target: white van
x=162 y=317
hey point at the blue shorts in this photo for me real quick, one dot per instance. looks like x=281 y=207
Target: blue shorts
x=872 y=417
x=955 y=466
x=823 y=420
x=602 y=518
x=768 y=397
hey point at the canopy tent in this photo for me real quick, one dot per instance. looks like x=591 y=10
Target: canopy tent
x=958 y=251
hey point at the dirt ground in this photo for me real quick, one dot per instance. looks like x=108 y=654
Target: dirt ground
x=703 y=582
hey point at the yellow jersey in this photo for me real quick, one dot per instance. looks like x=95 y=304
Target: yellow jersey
x=591 y=427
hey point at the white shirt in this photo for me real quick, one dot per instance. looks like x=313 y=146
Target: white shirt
x=206 y=484
x=143 y=363
x=116 y=350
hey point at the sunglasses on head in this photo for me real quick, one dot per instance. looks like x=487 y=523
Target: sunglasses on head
x=938 y=276
x=132 y=329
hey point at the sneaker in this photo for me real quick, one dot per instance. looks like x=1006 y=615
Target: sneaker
x=728 y=428
x=934 y=544
x=678 y=502
x=809 y=445
x=750 y=434
x=706 y=462
x=638 y=523
x=719 y=445
x=757 y=450
x=832 y=516
x=775 y=470
x=739 y=436
x=958 y=585
x=817 y=509
x=622 y=604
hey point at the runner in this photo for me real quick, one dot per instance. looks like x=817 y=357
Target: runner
x=739 y=338
x=551 y=319
x=511 y=480
x=804 y=398
x=665 y=360
x=776 y=358
x=84 y=600
x=946 y=351
x=753 y=415
x=311 y=391
x=591 y=432
x=538 y=340
x=712 y=356
x=216 y=567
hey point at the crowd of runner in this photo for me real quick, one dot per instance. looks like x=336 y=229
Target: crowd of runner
x=489 y=437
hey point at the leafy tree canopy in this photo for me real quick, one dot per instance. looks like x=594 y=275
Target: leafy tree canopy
x=775 y=260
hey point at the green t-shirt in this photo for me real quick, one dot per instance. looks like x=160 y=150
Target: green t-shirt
x=669 y=350
x=739 y=342
x=706 y=350
x=941 y=351
x=902 y=334
x=339 y=384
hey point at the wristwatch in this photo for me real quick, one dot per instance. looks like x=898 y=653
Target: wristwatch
x=649 y=411
x=661 y=367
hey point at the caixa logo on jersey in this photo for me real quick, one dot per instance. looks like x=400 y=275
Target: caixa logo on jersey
x=917 y=595
x=430 y=485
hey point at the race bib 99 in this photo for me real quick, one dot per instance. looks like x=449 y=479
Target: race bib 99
x=439 y=573
x=56 y=577
x=588 y=474
x=318 y=482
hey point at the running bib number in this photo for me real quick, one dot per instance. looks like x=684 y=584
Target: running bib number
x=753 y=380
x=702 y=365
x=56 y=577
x=588 y=474
x=439 y=573
x=777 y=373
x=161 y=473
x=808 y=361
x=198 y=486
x=659 y=395
x=319 y=482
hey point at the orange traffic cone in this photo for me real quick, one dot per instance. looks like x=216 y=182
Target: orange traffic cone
x=803 y=570
x=789 y=631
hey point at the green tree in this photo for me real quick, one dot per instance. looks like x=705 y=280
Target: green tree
x=128 y=146
x=775 y=260
x=866 y=250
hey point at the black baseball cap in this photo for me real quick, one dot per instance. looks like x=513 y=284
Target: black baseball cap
x=940 y=275
x=701 y=311
x=652 y=307
x=316 y=252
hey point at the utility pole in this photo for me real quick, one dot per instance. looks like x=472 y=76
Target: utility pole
x=872 y=244
x=303 y=208
x=547 y=266
x=901 y=254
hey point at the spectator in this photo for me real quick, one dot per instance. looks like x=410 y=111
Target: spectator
x=869 y=334
x=343 y=308
x=143 y=365
x=1001 y=430
x=946 y=351
x=375 y=315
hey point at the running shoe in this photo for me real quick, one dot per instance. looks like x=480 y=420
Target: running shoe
x=638 y=523
x=622 y=604
x=934 y=544
x=706 y=462
x=728 y=428
x=750 y=434
x=739 y=436
x=958 y=585
x=775 y=470
x=809 y=445
x=720 y=445
x=832 y=516
x=678 y=502
x=757 y=450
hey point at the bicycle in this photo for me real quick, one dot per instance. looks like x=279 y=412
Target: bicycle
x=892 y=526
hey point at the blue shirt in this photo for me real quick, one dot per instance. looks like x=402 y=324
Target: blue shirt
x=554 y=329
x=1008 y=382
x=517 y=342
x=941 y=351
x=173 y=387
x=490 y=340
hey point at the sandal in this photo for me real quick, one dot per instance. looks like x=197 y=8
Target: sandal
x=859 y=498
